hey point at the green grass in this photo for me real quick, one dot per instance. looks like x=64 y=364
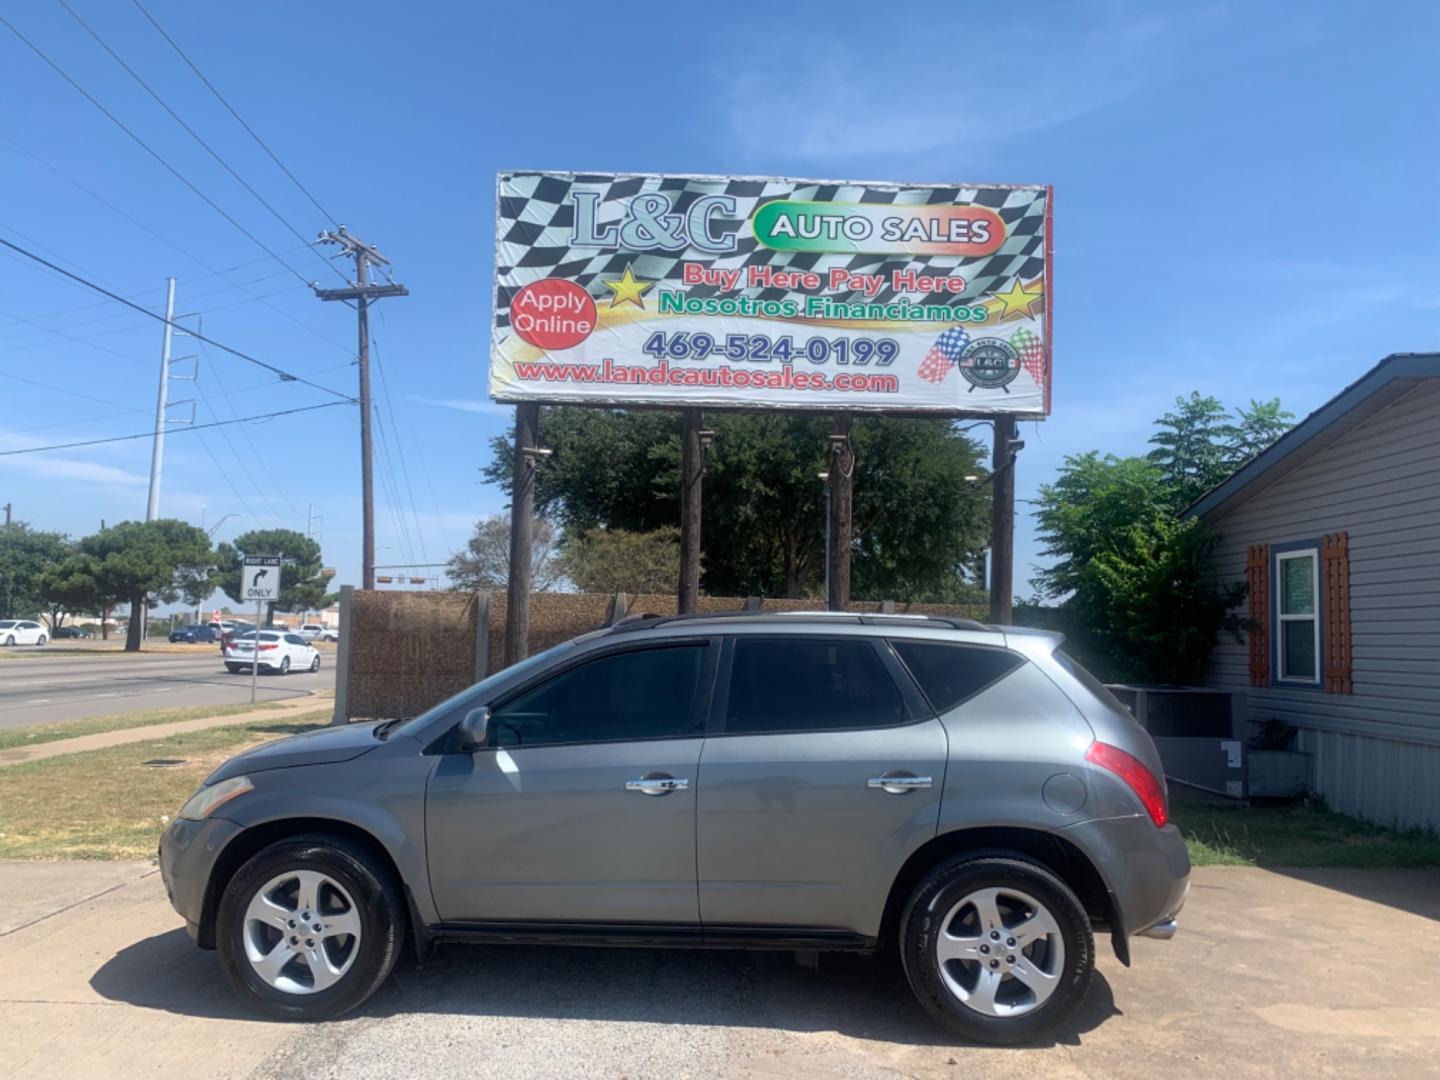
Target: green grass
x=107 y=804
x=1297 y=837
x=94 y=725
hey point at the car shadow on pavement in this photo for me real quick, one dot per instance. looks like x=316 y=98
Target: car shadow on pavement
x=857 y=996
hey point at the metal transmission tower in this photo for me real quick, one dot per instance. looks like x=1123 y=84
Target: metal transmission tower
x=163 y=402
x=362 y=292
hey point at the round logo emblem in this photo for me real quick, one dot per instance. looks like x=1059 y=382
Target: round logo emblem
x=553 y=313
x=989 y=363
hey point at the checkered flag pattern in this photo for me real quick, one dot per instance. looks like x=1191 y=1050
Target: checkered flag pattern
x=1031 y=349
x=536 y=216
x=944 y=355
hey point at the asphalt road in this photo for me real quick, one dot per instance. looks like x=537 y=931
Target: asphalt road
x=43 y=689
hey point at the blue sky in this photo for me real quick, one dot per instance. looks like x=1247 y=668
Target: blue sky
x=1243 y=206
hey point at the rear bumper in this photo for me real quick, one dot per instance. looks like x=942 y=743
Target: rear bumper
x=1147 y=871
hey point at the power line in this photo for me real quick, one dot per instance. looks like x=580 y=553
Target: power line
x=399 y=446
x=179 y=120
x=239 y=119
x=212 y=272
x=149 y=149
x=190 y=427
x=285 y=376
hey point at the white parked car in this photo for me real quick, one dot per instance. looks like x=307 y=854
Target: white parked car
x=280 y=651
x=312 y=631
x=22 y=632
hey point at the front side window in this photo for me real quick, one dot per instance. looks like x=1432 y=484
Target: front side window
x=639 y=694
x=810 y=684
x=1297 y=594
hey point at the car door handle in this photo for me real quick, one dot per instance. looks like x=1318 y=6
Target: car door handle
x=899 y=783
x=657 y=785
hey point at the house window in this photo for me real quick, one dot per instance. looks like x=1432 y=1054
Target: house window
x=1297 y=614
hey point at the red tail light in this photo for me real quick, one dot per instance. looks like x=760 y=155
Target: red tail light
x=264 y=648
x=1133 y=771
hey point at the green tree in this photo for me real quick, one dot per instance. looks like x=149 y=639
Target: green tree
x=24 y=555
x=1256 y=428
x=135 y=561
x=485 y=562
x=616 y=560
x=1193 y=447
x=71 y=585
x=303 y=587
x=919 y=526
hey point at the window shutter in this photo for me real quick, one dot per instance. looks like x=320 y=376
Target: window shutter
x=1257 y=574
x=1335 y=555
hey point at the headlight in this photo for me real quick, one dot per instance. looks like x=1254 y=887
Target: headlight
x=208 y=799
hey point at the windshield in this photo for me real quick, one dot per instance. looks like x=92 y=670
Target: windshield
x=7 y=624
x=484 y=686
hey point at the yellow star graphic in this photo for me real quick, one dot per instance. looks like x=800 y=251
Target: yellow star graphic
x=1018 y=300
x=628 y=290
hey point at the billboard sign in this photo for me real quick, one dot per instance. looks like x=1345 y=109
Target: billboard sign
x=771 y=293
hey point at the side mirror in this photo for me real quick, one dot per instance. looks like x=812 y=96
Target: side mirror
x=475 y=730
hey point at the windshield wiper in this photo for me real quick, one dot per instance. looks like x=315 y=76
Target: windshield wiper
x=383 y=729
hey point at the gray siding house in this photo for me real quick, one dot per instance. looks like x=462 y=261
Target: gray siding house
x=1336 y=528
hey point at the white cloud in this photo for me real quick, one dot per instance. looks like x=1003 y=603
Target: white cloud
x=890 y=101
x=482 y=406
x=52 y=467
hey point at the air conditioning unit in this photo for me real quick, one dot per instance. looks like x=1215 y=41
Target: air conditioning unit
x=1196 y=730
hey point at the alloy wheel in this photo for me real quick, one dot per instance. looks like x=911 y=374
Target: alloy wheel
x=301 y=932
x=1000 y=952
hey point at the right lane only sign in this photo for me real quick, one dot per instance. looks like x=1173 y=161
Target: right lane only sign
x=261 y=577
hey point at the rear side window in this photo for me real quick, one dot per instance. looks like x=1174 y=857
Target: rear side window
x=636 y=695
x=809 y=684
x=294 y=639
x=948 y=674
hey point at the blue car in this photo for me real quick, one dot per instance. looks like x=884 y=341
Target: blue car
x=192 y=635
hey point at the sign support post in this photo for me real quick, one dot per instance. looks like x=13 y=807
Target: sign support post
x=260 y=579
x=692 y=472
x=1002 y=522
x=522 y=533
x=842 y=487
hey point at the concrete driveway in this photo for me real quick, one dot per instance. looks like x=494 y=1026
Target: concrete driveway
x=1273 y=974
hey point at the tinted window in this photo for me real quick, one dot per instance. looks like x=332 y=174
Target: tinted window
x=948 y=674
x=294 y=639
x=1085 y=679
x=644 y=694
x=806 y=684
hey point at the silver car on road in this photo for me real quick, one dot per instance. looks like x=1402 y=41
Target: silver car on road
x=962 y=794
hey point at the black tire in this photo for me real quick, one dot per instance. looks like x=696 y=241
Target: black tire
x=315 y=664
x=285 y=666
x=234 y=669
x=933 y=899
x=40 y=641
x=10 y=640
x=382 y=920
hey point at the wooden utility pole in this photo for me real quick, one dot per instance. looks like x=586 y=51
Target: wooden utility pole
x=842 y=477
x=522 y=533
x=361 y=293
x=692 y=471
x=1002 y=521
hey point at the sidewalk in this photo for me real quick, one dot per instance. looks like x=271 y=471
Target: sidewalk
x=17 y=755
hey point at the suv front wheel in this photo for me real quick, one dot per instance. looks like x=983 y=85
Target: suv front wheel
x=309 y=928
x=997 y=948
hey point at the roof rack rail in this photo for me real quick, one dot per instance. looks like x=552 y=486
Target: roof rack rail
x=860 y=618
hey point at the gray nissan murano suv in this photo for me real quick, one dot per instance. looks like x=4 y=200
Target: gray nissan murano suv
x=965 y=794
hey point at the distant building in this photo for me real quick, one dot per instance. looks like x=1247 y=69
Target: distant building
x=1336 y=528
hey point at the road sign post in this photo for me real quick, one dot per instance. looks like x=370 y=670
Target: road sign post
x=260 y=577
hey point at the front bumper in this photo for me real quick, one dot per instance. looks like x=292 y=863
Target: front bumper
x=188 y=850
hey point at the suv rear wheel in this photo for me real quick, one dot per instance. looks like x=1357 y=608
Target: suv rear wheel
x=309 y=928
x=997 y=948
